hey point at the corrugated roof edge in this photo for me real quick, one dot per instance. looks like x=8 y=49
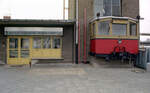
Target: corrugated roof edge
x=48 y=21
x=36 y=20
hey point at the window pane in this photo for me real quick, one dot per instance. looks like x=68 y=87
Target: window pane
x=37 y=42
x=107 y=7
x=46 y=42
x=13 y=53
x=133 y=29
x=116 y=11
x=112 y=7
x=116 y=8
x=103 y=28
x=24 y=43
x=13 y=43
x=56 y=42
x=119 y=29
x=116 y=2
x=24 y=53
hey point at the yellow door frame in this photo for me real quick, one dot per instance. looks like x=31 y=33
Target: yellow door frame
x=19 y=60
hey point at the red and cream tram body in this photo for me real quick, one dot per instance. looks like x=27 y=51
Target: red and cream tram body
x=112 y=36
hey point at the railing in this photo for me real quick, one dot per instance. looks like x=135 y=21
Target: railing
x=145 y=34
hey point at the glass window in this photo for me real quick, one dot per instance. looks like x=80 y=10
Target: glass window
x=13 y=43
x=24 y=43
x=133 y=29
x=107 y=7
x=119 y=29
x=56 y=42
x=46 y=42
x=112 y=7
x=103 y=28
x=13 y=53
x=24 y=53
x=116 y=8
x=37 y=42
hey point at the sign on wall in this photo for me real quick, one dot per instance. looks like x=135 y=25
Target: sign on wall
x=33 y=31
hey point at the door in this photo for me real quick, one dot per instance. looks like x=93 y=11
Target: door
x=18 y=50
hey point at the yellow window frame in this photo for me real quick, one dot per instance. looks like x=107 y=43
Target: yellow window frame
x=50 y=53
x=110 y=25
x=137 y=29
x=115 y=21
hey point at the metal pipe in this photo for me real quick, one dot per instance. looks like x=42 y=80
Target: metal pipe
x=145 y=34
x=85 y=25
x=79 y=52
x=77 y=19
x=64 y=9
x=77 y=31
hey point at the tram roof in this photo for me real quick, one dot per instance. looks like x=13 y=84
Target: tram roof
x=113 y=17
x=36 y=22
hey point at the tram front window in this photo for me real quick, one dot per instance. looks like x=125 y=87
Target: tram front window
x=103 y=28
x=133 y=29
x=119 y=29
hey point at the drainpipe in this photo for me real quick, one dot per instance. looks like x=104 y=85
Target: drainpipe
x=79 y=43
x=85 y=33
x=77 y=21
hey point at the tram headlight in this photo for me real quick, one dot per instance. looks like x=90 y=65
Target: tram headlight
x=119 y=41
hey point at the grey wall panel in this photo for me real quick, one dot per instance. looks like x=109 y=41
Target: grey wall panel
x=3 y=46
x=130 y=8
x=68 y=44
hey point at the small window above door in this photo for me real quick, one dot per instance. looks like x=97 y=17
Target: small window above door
x=133 y=29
